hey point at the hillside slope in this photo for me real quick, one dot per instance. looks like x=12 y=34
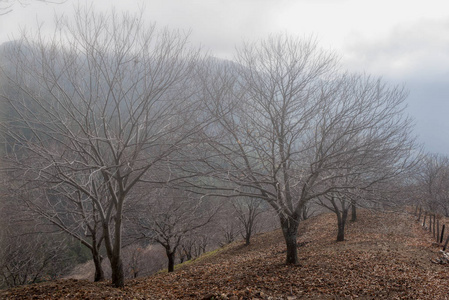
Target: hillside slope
x=386 y=256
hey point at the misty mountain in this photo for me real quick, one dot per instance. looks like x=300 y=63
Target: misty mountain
x=428 y=104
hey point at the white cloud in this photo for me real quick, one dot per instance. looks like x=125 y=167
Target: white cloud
x=417 y=47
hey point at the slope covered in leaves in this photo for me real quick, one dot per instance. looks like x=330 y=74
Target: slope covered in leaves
x=385 y=256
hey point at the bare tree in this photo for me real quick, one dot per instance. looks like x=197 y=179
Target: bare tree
x=338 y=203
x=30 y=251
x=248 y=212
x=433 y=182
x=65 y=208
x=364 y=142
x=106 y=99
x=73 y=214
x=30 y=258
x=194 y=245
x=264 y=116
x=135 y=254
x=173 y=216
x=290 y=126
x=230 y=230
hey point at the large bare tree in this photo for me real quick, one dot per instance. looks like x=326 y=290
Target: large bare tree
x=291 y=128
x=266 y=111
x=362 y=143
x=100 y=103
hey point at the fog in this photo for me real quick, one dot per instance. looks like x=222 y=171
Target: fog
x=405 y=43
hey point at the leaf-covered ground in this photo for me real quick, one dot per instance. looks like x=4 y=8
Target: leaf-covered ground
x=385 y=256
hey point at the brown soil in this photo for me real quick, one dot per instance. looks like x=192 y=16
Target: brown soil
x=385 y=256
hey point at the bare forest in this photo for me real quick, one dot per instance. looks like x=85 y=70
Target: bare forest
x=125 y=149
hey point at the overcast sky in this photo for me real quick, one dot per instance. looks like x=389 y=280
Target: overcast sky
x=405 y=42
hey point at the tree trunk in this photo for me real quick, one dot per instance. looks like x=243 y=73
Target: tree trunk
x=171 y=260
x=289 y=227
x=341 y=225
x=118 y=276
x=113 y=248
x=248 y=233
x=97 y=258
x=247 y=239
x=99 y=273
x=341 y=231
x=305 y=213
x=353 y=211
